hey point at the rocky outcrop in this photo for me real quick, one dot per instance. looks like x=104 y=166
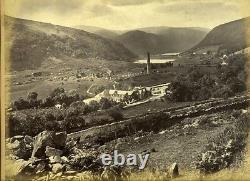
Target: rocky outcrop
x=50 y=153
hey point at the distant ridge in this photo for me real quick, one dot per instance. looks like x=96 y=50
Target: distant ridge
x=32 y=42
x=231 y=35
x=160 y=40
x=157 y=40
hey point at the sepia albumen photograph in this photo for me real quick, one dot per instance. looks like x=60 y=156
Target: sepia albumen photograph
x=125 y=90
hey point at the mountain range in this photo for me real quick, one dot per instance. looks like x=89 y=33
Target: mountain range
x=156 y=40
x=30 y=43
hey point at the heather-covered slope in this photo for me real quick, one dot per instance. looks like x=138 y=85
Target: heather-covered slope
x=31 y=42
x=232 y=35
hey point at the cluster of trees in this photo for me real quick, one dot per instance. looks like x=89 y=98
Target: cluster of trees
x=197 y=85
x=57 y=96
x=71 y=119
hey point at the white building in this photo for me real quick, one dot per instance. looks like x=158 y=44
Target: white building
x=159 y=89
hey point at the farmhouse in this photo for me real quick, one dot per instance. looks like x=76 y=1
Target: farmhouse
x=120 y=95
x=143 y=92
x=159 y=89
x=138 y=93
x=115 y=95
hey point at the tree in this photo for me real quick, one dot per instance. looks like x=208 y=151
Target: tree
x=223 y=92
x=105 y=103
x=94 y=105
x=179 y=92
x=206 y=81
x=32 y=96
x=194 y=75
x=21 y=104
x=236 y=85
x=116 y=114
x=57 y=92
x=48 y=102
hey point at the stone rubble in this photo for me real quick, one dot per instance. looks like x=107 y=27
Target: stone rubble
x=51 y=155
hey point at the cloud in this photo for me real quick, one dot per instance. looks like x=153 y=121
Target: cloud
x=130 y=2
x=57 y=10
x=55 y=6
x=127 y=14
x=192 y=7
x=101 y=10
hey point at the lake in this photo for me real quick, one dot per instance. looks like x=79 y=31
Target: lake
x=155 y=61
x=170 y=54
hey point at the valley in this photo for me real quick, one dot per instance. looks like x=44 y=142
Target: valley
x=74 y=95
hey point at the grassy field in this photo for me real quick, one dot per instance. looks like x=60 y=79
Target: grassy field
x=62 y=73
x=151 y=106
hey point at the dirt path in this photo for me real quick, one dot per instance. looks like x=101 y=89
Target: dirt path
x=88 y=91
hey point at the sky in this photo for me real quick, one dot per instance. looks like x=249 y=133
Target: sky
x=130 y=14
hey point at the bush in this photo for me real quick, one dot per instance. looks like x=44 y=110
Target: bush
x=201 y=86
x=223 y=92
x=105 y=103
x=116 y=114
x=221 y=150
x=32 y=96
x=179 y=92
x=48 y=102
x=21 y=104
x=57 y=92
x=94 y=105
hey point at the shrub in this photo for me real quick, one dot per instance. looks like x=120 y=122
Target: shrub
x=179 y=92
x=221 y=150
x=32 y=96
x=115 y=113
x=21 y=104
x=57 y=92
x=105 y=103
x=94 y=105
x=48 y=102
x=223 y=92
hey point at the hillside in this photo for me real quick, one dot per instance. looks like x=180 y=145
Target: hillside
x=140 y=42
x=159 y=40
x=31 y=43
x=106 y=33
x=164 y=29
x=230 y=36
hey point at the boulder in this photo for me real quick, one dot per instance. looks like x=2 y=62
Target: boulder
x=70 y=144
x=52 y=151
x=42 y=140
x=23 y=168
x=28 y=139
x=19 y=149
x=60 y=139
x=57 y=167
x=41 y=167
x=17 y=137
x=174 y=170
x=24 y=151
x=65 y=159
x=55 y=159
x=13 y=145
